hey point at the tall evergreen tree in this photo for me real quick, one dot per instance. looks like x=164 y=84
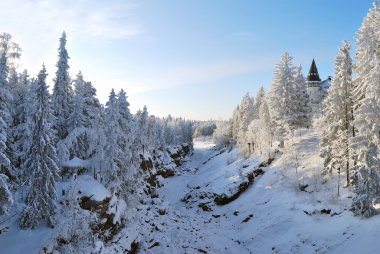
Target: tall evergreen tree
x=281 y=98
x=335 y=145
x=62 y=91
x=301 y=100
x=258 y=101
x=367 y=49
x=112 y=151
x=41 y=162
x=19 y=132
x=5 y=195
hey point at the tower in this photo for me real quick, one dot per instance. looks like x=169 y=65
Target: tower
x=314 y=89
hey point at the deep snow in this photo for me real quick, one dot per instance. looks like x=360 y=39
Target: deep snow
x=283 y=219
x=271 y=216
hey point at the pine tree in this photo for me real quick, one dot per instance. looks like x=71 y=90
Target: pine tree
x=246 y=116
x=258 y=101
x=5 y=100
x=41 y=162
x=301 y=100
x=112 y=151
x=6 y=199
x=367 y=49
x=281 y=98
x=5 y=195
x=11 y=49
x=366 y=145
x=84 y=123
x=335 y=147
x=62 y=91
x=19 y=131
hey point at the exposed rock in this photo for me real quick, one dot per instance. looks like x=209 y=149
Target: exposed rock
x=146 y=163
x=154 y=245
x=224 y=199
x=247 y=218
x=303 y=187
x=205 y=207
x=165 y=173
x=105 y=222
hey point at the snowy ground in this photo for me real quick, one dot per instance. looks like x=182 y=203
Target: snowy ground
x=271 y=216
x=281 y=217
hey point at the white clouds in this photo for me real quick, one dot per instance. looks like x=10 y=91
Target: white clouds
x=37 y=25
x=83 y=19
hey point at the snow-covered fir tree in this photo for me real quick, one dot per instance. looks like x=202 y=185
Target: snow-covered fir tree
x=5 y=116
x=335 y=145
x=6 y=199
x=20 y=131
x=246 y=111
x=302 y=109
x=281 y=98
x=112 y=151
x=258 y=101
x=62 y=91
x=5 y=195
x=367 y=49
x=40 y=203
x=366 y=144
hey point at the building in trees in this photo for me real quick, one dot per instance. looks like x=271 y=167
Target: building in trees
x=316 y=89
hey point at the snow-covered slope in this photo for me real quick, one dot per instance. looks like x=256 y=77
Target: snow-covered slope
x=273 y=216
x=288 y=209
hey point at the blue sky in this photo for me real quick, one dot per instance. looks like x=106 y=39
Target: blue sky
x=194 y=59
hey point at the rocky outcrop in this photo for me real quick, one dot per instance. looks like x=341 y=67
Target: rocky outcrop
x=105 y=225
x=224 y=199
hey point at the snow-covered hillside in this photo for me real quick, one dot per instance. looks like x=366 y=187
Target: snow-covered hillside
x=287 y=209
x=272 y=216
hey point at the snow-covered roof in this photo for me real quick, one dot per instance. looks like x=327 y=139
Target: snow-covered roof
x=326 y=84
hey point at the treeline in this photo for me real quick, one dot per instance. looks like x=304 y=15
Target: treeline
x=350 y=125
x=271 y=116
x=40 y=131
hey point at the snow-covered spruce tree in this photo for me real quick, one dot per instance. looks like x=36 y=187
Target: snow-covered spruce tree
x=233 y=124
x=246 y=115
x=40 y=203
x=112 y=151
x=62 y=91
x=5 y=195
x=19 y=136
x=6 y=199
x=301 y=100
x=260 y=130
x=5 y=100
x=84 y=124
x=258 y=101
x=267 y=129
x=23 y=133
x=335 y=145
x=246 y=111
x=221 y=135
x=75 y=234
x=126 y=124
x=367 y=115
x=11 y=49
x=367 y=44
x=129 y=182
x=281 y=98
x=367 y=201
x=366 y=145
x=75 y=143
